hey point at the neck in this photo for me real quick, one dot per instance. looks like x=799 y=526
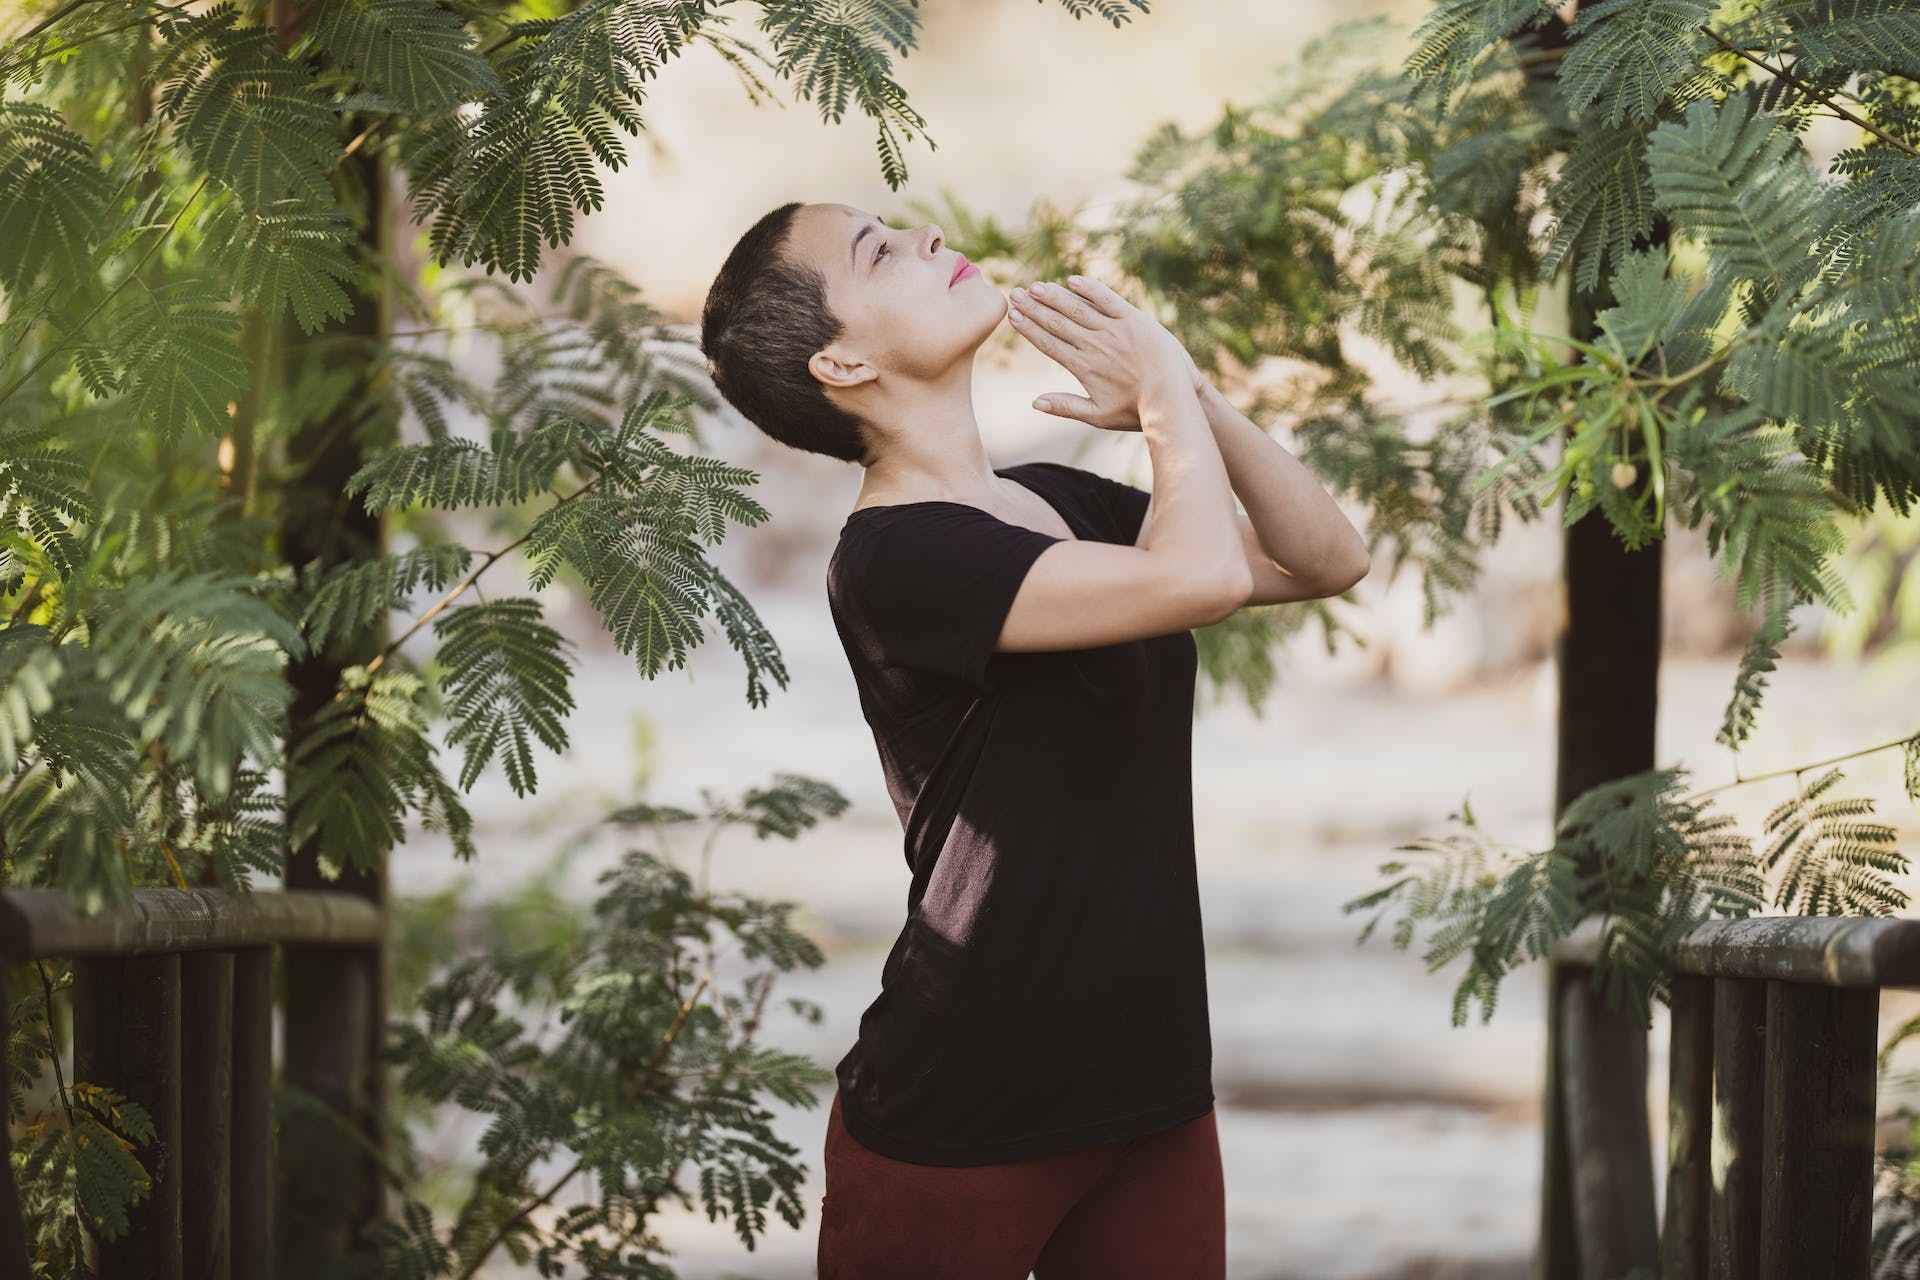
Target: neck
x=934 y=450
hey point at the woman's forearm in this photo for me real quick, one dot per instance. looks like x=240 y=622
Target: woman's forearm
x=1300 y=526
x=1191 y=517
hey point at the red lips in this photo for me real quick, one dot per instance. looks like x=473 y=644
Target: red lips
x=959 y=268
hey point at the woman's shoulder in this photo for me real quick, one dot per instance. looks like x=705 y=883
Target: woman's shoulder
x=1114 y=504
x=888 y=540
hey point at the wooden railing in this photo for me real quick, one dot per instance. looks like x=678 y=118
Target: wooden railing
x=1771 y=1083
x=173 y=1007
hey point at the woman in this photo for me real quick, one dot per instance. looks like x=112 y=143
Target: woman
x=1031 y=1091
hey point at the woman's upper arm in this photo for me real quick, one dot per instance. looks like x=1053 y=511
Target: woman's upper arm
x=1083 y=594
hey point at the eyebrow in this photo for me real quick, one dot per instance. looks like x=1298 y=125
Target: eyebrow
x=854 y=248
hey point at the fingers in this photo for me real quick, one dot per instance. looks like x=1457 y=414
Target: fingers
x=1040 y=310
x=1103 y=299
x=1021 y=317
x=1061 y=299
x=1062 y=405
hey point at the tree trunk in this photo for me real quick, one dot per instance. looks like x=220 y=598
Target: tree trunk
x=330 y=1183
x=1597 y=1215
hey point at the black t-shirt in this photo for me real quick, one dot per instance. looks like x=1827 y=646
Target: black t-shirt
x=1048 y=991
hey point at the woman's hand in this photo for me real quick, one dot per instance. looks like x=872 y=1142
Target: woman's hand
x=1116 y=351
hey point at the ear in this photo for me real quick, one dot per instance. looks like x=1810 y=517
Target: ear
x=836 y=372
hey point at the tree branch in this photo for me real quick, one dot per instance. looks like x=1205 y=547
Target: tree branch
x=1809 y=90
x=459 y=588
x=1802 y=768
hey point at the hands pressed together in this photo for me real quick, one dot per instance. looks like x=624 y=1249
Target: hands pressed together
x=1119 y=353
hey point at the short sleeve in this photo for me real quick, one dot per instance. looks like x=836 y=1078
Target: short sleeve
x=930 y=587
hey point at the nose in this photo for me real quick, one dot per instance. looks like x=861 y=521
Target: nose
x=935 y=240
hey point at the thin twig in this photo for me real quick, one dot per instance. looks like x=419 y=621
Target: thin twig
x=49 y=20
x=1802 y=768
x=460 y=587
x=1809 y=90
x=507 y=1226
x=11 y=69
x=60 y=1079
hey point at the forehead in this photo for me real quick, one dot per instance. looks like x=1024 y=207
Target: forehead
x=822 y=234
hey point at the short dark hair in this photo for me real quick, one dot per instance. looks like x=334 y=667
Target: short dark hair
x=765 y=315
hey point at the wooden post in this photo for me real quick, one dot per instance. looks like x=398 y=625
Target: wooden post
x=252 y=1203
x=206 y=1113
x=1739 y=1113
x=126 y=1036
x=1603 y=1073
x=330 y=1192
x=1817 y=1206
x=1683 y=1239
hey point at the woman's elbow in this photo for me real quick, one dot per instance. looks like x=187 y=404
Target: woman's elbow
x=1355 y=568
x=1230 y=593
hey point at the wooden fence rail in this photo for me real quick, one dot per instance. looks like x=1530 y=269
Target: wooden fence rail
x=173 y=1007
x=1771 y=1081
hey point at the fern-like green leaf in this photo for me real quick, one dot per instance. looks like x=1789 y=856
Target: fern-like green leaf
x=506 y=684
x=251 y=116
x=1832 y=863
x=1651 y=303
x=183 y=361
x=53 y=197
x=1602 y=200
x=453 y=473
x=414 y=52
x=1740 y=182
x=357 y=594
x=359 y=765
x=1631 y=57
x=44 y=493
x=287 y=256
x=1856 y=35
x=198 y=664
x=1762 y=654
x=30 y=668
x=1451 y=40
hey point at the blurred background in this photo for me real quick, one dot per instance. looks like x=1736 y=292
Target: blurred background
x=1363 y=1134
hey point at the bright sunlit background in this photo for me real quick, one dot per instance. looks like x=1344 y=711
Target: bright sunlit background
x=1363 y=1136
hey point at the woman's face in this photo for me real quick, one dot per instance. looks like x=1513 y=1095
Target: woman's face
x=904 y=315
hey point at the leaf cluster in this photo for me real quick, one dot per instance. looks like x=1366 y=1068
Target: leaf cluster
x=608 y=1051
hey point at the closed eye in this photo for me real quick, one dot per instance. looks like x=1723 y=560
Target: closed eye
x=879 y=253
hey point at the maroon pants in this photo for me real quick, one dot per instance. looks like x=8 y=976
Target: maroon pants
x=1151 y=1208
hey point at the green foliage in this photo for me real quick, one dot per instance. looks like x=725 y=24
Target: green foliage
x=196 y=323
x=1456 y=36
x=603 y=1046
x=1603 y=199
x=1632 y=57
x=75 y=1162
x=53 y=196
x=1737 y=182
x=1652 y=860
x=508 y=685
x=1752 y=372
x=1830 y=864
x=1762 y=654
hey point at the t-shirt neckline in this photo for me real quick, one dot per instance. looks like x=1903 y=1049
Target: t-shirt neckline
x=949 y=502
